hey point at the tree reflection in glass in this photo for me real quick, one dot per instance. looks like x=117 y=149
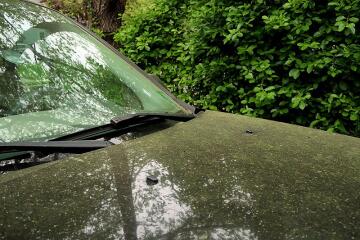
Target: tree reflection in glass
x=56 y=79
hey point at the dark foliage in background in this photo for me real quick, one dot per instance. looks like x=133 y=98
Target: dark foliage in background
x=295 y=61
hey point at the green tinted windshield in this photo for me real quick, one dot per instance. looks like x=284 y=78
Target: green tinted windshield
x=56 y=79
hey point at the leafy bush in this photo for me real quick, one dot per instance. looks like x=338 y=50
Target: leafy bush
x=295 y=61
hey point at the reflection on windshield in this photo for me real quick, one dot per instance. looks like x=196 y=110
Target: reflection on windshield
x=49 y=67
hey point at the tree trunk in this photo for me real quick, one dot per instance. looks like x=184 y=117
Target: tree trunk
x=103 y=14
x=106 y=12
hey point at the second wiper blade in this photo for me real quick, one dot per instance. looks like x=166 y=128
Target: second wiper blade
x=139 y=117
x=55 y=146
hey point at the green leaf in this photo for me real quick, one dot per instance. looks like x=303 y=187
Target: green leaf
x=249 y=76
x=309 y=68
x=341 y=26
x=213 y=108
x=294 y=73
x=295 y=101
x=354 y=116
x=340 y=18
x=351 y=26
x=343 y=85
x=302 y=105
x=354 y=19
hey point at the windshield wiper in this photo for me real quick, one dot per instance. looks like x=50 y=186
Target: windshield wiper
x=140 y=117
x=55 y=146
x=123 y=124
x=79 y=142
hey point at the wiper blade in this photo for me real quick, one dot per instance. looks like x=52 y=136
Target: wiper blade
x=140 y=117
x=55 y=146
x=123 y=124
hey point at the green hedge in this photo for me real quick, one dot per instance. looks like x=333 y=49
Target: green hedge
x=295 y=61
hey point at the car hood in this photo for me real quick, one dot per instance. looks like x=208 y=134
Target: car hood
x=220 y=176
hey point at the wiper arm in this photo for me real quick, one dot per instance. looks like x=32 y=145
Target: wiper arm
x=123 y=124
x=140 y=117
x=55 y=146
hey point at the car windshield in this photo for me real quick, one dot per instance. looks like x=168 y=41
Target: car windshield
x=57 y=79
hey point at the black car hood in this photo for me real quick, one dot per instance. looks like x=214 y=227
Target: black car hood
x=219 y=176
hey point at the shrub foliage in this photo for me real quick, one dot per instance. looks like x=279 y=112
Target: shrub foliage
x=295 y=61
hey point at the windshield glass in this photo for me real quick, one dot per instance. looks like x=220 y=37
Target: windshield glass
x=56 y=79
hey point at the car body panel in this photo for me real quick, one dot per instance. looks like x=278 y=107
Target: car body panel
x=221 y=176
